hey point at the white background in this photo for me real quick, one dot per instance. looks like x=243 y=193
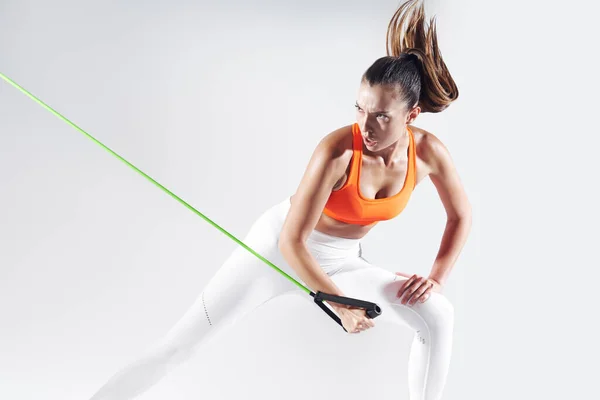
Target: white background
x=223 y=104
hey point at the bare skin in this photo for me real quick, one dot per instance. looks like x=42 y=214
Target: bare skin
x=383 y=121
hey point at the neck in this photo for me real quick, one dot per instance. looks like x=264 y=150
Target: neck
x=394 y=152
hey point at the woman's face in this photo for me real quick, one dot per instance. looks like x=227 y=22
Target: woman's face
x=381 y=116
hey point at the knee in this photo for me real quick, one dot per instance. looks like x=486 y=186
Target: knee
x=437 y=311
x=444 y=304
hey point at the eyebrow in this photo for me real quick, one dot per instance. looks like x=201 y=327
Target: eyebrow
x=375 y=112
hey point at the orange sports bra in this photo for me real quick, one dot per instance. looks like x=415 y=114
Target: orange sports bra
x=347 y=204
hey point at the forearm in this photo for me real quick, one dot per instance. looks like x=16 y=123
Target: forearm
x=453 y=241
x=308 y=269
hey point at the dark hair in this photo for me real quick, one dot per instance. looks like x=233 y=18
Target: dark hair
x=414 y=63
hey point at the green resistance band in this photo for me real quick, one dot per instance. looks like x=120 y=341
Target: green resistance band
x=372 y=309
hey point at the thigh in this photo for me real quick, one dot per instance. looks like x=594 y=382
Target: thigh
x=371 y=283
x=242 y=283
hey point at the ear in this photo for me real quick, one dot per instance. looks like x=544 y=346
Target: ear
x=413 y=114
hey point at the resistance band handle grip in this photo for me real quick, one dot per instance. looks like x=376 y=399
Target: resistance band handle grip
x=372 y=310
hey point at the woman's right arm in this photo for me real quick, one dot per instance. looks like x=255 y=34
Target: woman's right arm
x=326 y=166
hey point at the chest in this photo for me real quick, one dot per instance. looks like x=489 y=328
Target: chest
x=377 y=181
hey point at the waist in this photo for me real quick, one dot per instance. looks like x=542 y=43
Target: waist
x=328 y=249
x=350 y=241
x=331 y=226
x=324 y=240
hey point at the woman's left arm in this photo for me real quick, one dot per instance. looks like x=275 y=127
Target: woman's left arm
x=446 y=180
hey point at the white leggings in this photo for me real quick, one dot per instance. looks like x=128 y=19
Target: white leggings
x=244 y=282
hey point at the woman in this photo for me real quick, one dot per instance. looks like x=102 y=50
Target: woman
x=358 y=175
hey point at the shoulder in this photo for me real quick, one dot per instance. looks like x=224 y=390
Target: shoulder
x=431 y=151
x=336 y=146
x=338 y=141
x=326 y=166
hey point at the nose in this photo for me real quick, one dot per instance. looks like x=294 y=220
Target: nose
x=366 y=122
x=365 y=130
x=364 y=126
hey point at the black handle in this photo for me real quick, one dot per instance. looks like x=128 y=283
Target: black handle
x=372 y=310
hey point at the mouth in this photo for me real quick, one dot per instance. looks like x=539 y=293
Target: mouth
x=369 y=142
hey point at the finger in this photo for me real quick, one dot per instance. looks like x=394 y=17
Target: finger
x=409 y=287
x=419 y=292
x=411 y=291
x=406 y=285
x=364 y=325
x=409 y=281
x=406 y=294
x=427 y=293
x=425 y=286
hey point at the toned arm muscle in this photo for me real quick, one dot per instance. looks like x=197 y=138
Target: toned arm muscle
x=452 y=194
x=327 y=164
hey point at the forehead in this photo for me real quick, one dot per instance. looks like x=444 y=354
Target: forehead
x=378 y=97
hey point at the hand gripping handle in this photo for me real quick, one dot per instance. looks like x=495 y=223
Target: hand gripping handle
x=371 y=309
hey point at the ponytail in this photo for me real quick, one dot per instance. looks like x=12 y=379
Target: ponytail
x=414 y=61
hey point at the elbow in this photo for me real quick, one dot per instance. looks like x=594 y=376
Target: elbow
x=287 y=243
x=461 y=215
x=464 y=220
x=282 y=244
x=465 y=217
x=468 y=217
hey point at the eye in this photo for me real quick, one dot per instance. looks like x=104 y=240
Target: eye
x=383 y=116
x=357 y=107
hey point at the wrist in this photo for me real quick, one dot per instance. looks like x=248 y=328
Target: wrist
x=437 y=280
x=337 y=306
